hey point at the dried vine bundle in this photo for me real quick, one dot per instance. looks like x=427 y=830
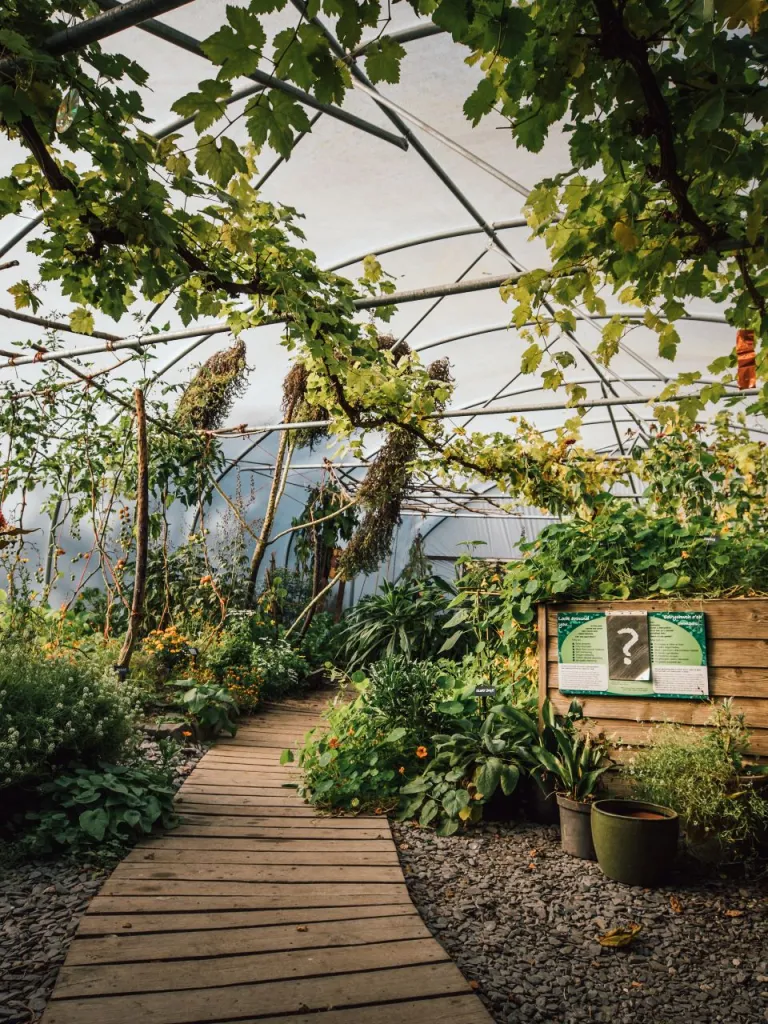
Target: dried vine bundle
x=382 y=493
x=295 y=400
x=209 y=395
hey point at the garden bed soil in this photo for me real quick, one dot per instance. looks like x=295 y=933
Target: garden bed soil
x=521 y=919
x=41 y=903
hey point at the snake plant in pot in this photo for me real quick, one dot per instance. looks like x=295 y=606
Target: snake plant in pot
x=575 y=760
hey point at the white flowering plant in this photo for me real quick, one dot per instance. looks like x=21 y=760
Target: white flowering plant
x=54 y=710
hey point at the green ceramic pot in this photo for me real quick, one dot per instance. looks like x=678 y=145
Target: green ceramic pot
x=635 y=842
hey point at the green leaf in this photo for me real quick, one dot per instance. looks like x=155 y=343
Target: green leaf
x=395 y=735
x=667 y=581
x=709 y=114
x=237 y=48
x=428 y=813
x=94 y=822
x=287 y=757
x=451 y=641
x=487 y=777
x=481 y=102
x=510 y=776
x=382 y=60
x=220 y=163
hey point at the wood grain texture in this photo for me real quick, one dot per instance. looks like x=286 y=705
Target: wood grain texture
x=258 y=907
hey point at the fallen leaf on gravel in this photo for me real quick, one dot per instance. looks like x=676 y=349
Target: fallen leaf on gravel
x=449 y=893
x=532 y=853
x=677 y=906
x=531 y=866
x=301 y=928
x=404 y=846
x=616 y=938
x=734 y=913
x=636 y=984
x=474 y=985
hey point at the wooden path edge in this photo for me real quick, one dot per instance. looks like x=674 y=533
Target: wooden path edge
x=259 y=910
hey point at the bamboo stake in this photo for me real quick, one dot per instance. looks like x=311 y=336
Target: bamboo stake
x=142 y=533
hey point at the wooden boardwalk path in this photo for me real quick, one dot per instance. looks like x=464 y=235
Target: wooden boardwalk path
x=258 y=909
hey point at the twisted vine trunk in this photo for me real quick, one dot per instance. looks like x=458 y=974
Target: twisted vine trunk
x=142 y=532
x=279 y=479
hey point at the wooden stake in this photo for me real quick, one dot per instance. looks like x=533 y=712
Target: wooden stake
x=142 y=533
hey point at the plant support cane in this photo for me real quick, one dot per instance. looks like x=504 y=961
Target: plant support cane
x=142 y=537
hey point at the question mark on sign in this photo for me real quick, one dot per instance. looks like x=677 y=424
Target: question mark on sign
x=629 y=644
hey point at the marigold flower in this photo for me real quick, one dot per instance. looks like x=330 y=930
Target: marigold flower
x=333 y=742
x=421 y=752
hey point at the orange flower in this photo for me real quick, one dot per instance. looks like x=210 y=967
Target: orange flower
x=401 y=769
x=684 y=554
x=186 y=732
x=421 y=752
x=333 y=742
x=351 y=732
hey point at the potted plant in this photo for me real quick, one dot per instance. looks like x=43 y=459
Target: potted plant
x=635 y=842
x=575 y=760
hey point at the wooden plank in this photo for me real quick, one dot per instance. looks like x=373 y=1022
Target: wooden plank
x=266 y=898
x=745 y=653
x=223 y=823
x=257 y=891
x=191 y=804
x=732 y=619
x=299 y=874
x=237 y=1002
x=464 y=1009
x=139 y=949
x=342 y=857
x=341 y=842
x=636 y=734
x=140 y=924
x=685 y=712
x=269 y=791
x=723 y=682
x=124 y=979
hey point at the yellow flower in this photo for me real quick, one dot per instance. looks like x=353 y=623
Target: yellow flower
x=421 y=752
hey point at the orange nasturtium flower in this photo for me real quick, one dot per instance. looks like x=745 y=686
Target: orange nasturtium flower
x=186 y=732
x=401 y=769
x=684 y=554
x=333 y=742
x=421 y=752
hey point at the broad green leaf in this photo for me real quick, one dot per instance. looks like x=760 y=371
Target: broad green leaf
x=382 y=60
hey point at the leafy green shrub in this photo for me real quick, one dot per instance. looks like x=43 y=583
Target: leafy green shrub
x=102 y=810
x=210 y=705
x=403 y=618
x=282 y=669
x=703 y=775
x=322 y=641
x=478 y=758
x=404 y=692
x=358 y=763
x=57 y=710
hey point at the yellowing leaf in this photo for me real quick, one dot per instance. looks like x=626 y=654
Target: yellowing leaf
x=616 y=938
x=625 y=236
x=81 y=320
x=741 y=12
x=676 y=904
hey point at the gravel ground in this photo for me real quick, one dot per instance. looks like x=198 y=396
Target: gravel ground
x=41 y=903
x=521 y=919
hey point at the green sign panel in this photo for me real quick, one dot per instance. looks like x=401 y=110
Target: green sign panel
x=633 y=654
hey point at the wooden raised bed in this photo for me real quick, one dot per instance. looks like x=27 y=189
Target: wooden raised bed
x=737 y=652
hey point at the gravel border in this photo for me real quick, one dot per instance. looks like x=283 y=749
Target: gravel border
x=521 y=920
x=41 y=903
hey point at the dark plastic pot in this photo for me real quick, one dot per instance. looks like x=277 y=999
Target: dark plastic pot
x=575 y=828
x=635 y=842
x=540 y=804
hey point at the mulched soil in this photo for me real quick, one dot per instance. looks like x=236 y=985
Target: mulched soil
x=522 y=919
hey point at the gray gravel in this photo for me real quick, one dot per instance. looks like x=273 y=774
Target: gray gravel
x=521 y=919
x=41 y=903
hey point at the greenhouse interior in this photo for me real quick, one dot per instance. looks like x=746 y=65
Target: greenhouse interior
x=384 y=512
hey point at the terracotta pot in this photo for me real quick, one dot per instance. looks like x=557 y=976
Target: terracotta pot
x=575 y=828
x=636 y=842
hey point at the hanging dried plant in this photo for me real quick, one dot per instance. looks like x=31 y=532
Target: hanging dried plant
x=209 y=395
x=297 y=408
x=382 y=492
